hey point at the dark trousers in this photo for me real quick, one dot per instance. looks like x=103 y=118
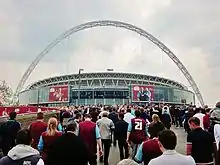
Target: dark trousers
x=173 y=120
x=106 y=143
x=92 y=159
x=114 y=138
x=123 y=149
x=178 y=122
x=167 y=125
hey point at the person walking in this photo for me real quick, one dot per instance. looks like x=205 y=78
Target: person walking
x=8 y=132
x=114 y=117
x=66 y=115
x=206 y=119
x=128 y=116
x=166 y=119
x=150 y=148
x=68 y=148
x=188 y=115
x=200 y=143
x=137 y=132
x=22 y=153
x=90 y=134
x=48 y=137
x=156 y=126
x=178 y=120
x=106 y=126
x=121 y=128
x=37 y=128
x=167 y=142
x=200 y=116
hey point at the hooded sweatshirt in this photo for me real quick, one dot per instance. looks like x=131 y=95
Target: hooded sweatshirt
x=215 y=115
x=22 y=155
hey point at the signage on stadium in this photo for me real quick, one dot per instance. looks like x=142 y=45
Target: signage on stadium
x=142 y=93
x=59 y=94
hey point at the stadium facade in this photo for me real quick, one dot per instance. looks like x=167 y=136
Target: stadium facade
x=106 y=88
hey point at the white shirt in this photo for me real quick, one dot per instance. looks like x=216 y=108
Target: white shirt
x=40 y=162
x=128 y=116
x=200 y=116
x=171 y=157
x=217 y=134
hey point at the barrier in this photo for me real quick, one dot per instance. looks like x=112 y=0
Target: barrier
x=25 y=109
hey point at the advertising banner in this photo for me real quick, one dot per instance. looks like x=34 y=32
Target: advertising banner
x=59 y=94
x=4 y=111
x=142 y=93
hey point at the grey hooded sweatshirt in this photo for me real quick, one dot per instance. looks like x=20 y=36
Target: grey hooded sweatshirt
x=215 y=115
x=22 y=155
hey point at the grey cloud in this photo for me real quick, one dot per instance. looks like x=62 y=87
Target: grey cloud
x=182 y=25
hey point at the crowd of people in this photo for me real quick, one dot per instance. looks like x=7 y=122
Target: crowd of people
x=84 y=135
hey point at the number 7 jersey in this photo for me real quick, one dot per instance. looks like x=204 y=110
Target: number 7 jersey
x=139 y=131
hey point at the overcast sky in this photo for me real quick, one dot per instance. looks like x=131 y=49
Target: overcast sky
x=190 y=28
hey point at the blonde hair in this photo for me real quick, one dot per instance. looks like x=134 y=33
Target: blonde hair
x=155 y=118
x=52 y=126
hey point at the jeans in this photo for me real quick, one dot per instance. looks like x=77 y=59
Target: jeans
x=123 y=149
x=106 y=143
x=134 y=149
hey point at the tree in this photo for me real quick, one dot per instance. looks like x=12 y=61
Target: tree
x=6 y=94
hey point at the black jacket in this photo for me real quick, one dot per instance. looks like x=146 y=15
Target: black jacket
x=121 y=128
x=66 y=149
x=113 y=116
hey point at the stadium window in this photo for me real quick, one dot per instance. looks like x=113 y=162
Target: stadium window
x=89 y=94
x=99 y=94
x=119 y=94
x=125 y=94
x=74 y=95
x=109 y=94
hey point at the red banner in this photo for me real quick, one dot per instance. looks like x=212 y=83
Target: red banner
x=142 y=93
x=4 y=111
x=59 y=94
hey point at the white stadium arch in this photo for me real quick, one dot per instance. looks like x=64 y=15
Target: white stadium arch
x=113 y=24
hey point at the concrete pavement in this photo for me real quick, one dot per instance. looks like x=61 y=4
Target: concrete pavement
x=181 y=147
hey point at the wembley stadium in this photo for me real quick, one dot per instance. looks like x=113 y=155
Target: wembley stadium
x=106 y=88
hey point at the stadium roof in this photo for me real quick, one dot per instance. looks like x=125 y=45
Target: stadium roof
x=106 y=79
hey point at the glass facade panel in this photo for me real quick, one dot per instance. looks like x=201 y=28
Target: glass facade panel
x=183 y=96
x=99 y=94
x=44 y=95
x=90 y=101
x=109 y=101
x=100 y=101
x=108 y=96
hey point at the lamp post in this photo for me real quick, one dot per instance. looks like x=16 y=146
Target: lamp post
x=110 y=70
x=79 y=83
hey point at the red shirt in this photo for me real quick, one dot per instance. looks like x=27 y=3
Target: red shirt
x=36 y=129
x=206 y=121
x=151 y=150
x=48 y=141
x=87 y=133
x=138 y=132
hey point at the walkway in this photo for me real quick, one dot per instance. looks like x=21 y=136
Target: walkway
x=181 y=147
